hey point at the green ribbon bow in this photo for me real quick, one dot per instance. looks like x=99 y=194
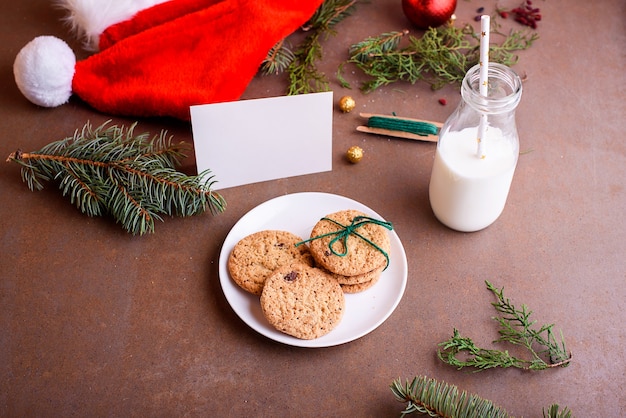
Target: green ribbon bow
x=347 y=230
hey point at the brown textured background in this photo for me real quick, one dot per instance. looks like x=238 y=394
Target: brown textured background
x=95 y=322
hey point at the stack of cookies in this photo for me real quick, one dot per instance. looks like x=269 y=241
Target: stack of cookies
x=301 y=287
x=357 y=267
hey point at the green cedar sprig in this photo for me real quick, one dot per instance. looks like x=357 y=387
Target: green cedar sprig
x=439 y=399
x=301 y=64
x=304 y=76
x=516 y=328
x=440 y=56
x=110 y=170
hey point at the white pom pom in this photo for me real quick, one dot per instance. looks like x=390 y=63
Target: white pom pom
x=44 y=70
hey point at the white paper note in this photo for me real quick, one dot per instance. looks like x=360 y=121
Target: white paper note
x=250 y=141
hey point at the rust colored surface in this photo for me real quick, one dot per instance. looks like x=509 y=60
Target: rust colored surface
x=95 y=322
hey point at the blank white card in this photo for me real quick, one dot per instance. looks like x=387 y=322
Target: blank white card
x=250 y=141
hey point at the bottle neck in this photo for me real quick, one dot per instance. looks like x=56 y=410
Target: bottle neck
x=504 y=91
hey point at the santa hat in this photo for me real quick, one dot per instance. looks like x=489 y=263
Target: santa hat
x=160 y=60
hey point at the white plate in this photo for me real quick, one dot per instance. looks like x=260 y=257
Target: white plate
x=298 y=213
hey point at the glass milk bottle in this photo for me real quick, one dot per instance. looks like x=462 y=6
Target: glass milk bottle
x=477 y=152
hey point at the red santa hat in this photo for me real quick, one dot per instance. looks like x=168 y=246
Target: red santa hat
x=160 y=60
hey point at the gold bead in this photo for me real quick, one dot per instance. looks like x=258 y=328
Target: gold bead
x=346 y=104
x=354 y=154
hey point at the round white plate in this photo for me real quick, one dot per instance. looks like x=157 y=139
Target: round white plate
x=298 y=213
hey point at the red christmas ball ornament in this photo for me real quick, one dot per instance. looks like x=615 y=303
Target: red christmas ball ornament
x=428 y=13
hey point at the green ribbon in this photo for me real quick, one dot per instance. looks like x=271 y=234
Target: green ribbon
x=347 y=230
x=396 y=124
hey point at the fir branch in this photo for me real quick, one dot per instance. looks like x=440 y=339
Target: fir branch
x=111 y=170
x=278 y=59
x=304 y=76
x=516 y=328
x=554 y=411
x=440 y=56
x=439 y=399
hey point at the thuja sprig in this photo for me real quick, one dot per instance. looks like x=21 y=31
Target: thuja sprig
x=110 y=170
x=304 y=76
x=439 y=399
x=440 y=56
x=516 y=327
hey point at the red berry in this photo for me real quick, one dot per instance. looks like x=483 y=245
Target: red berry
x=526 y=15
x=504 y=14
x=443 y=101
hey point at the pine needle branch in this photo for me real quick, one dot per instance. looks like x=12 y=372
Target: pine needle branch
x=516 y=328
x=278 y=59
x=110 y=170
x=440 y=56
x=554 y=411
x=439 y=399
